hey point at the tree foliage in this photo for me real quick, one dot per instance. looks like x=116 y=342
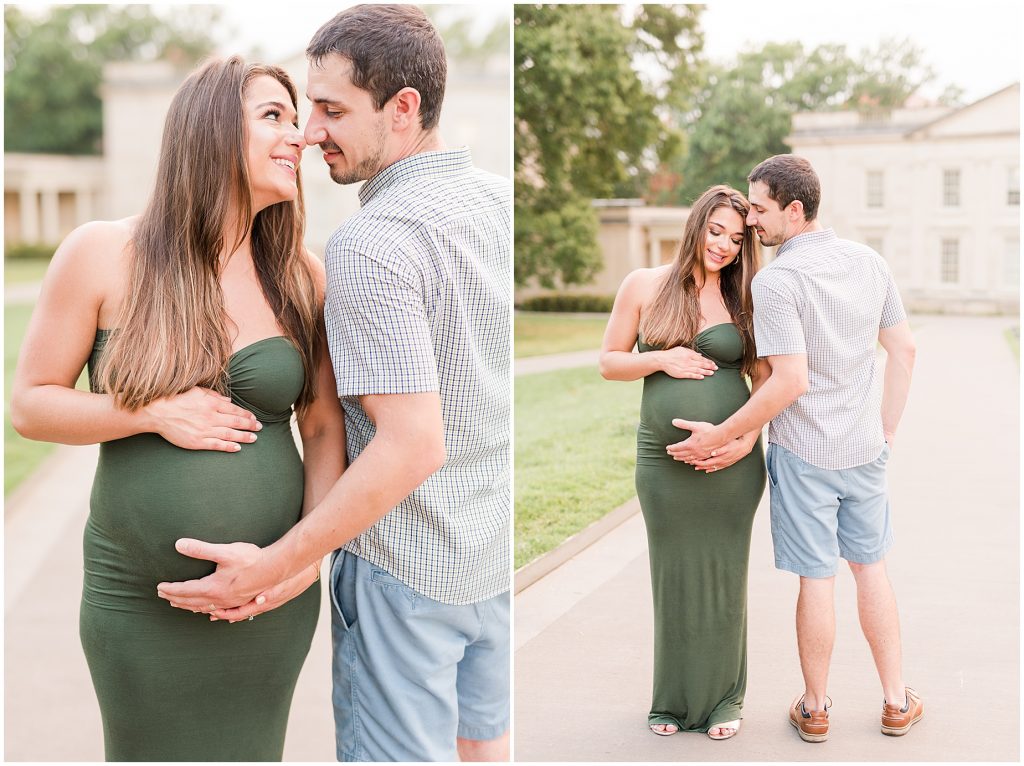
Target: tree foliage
x=53 y=66
x=587 y=124
x=744 y=111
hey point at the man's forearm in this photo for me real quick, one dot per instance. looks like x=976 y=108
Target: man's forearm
x=379 y=479
x=771 y=398
x=895 y=390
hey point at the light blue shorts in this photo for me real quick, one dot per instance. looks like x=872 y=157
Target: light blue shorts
x=820 y=515
x=411 y=674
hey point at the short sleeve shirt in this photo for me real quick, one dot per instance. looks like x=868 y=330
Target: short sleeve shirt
x=419 y=300
x=828 y=298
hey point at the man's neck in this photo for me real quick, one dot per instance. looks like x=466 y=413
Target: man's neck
x=806 y=228
x=427 y=141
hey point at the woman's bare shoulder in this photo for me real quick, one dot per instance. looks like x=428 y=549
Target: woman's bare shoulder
x=92 y=261
x=641 y=283
x=97 y=242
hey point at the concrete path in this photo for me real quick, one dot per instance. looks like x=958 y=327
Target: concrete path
x=26 y=292
x=583 y=633
x=531 y=365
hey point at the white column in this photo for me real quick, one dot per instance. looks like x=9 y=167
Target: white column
x=28 y=203
x=51 y=217
x=83 y=205
x=653 y=249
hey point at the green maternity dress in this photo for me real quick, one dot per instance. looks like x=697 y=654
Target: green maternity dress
x=698 y=535
x=172 y=685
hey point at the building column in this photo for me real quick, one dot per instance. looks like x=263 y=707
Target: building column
x=51 y=217
x=28 y=204
x=653 y=250
x=83 y=205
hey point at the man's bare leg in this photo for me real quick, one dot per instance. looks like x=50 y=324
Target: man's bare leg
x=815 y=635
x=880 y=621
x=483 y=749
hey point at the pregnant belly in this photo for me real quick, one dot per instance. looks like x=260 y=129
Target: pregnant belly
x=710 y=400
x=147 y=493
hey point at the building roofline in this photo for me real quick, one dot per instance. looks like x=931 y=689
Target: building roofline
x=964 y=108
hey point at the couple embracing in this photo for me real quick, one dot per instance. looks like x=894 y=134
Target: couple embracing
x=804 y=330
x=206 y=324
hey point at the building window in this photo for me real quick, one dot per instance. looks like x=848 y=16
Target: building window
x=951 y=188
x=949 y=272
x=1011 y=262
x=875 y=189
x=1013 y=187
x=875 y=243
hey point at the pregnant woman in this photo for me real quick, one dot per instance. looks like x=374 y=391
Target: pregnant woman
x=692 y=324
x=201 y=322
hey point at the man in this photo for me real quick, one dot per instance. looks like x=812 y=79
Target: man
x=418 y=314
x=819 y=308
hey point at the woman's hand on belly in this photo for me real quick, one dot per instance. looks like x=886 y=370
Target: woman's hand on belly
x=682 y=362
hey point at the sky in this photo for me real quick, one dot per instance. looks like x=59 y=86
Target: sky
x=975 y=45
x=282 y=31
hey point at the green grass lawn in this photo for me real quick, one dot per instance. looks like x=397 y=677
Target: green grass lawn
x=541 y=332
x=575 y=453
x=20 y=270
x=21 y=456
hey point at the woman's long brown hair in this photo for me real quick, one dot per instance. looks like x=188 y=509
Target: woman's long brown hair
x=673 y=318
x=172 y=330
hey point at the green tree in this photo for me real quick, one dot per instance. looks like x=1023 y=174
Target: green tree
x=744 y=111
x=587 y=124
x=53 y=66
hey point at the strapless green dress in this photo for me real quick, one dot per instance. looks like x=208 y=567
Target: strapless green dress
x=698 y=537
x=172 y=685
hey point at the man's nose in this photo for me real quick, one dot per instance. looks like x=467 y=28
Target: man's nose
x=314 y=132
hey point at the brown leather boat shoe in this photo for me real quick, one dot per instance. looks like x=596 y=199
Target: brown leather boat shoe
x=812 y=726
x=896 y=720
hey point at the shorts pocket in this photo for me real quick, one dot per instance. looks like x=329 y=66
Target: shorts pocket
x=391 y=585
x=769 y=466
x=342 y=588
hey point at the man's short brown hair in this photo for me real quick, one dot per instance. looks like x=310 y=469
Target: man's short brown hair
x=390 y=47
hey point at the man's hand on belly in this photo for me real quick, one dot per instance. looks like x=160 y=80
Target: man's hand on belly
x=704 y=440
x=240 y=577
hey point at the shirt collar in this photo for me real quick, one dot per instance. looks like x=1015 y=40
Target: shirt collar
x=810 y=238
x=424 y=164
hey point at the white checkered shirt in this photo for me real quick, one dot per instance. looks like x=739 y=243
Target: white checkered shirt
x=828 y=298
x=419 y=299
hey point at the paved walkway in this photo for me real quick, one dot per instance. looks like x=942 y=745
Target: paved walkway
x=583 y=632
x=26 y=292
x=531 y=365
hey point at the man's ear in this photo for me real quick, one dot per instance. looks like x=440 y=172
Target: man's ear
x=796 y=208
x=407 y=109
